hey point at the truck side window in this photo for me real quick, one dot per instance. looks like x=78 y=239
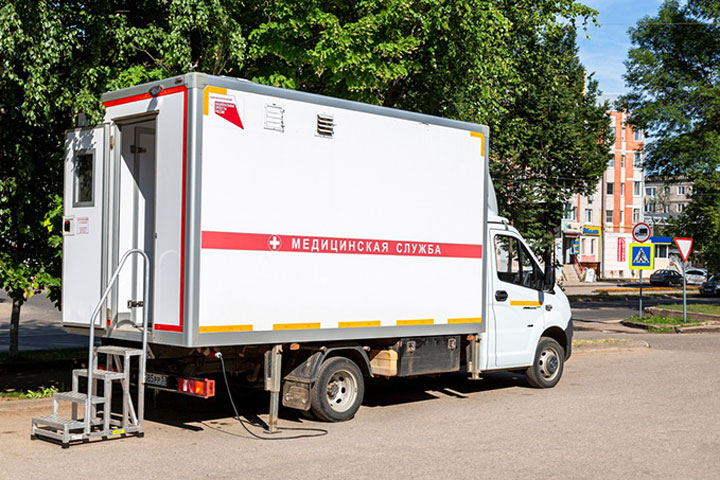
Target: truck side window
x=83 y=180
x=506 y=257
x=515 y=264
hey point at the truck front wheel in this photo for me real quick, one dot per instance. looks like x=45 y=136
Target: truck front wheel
x=338 y=390
x=547 y=368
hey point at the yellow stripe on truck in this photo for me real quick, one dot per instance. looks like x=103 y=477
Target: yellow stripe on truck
x=424 y=321
x=206 y=96
x=464 y=320
x=226 y=328
x=525 y=303
x=295 y=326
x=360 y=324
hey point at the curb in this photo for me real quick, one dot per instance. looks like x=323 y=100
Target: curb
x=609 y=344
x=666 y=312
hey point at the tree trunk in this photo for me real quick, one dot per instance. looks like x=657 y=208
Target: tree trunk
x=14 y=329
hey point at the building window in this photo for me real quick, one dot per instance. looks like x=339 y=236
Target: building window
x=588 y=215
x=609 y=216
x=680 y=207
x=611 y=163
x=622 y=160
x=666 y=208
x=592 y=246
x=570 y=212
x=636 y=188
x=622 y=188
x=651 y=191
x=666 y=190
x=681 y=190
x=638 y=135
x=636 y=215
x=610 y=188
x=649 y=207
x=661 y=251
x=621 y=217
x=622 y=132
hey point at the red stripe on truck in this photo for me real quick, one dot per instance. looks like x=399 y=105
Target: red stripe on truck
x=299 y=243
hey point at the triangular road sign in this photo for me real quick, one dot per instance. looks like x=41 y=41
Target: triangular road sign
x=685 y=247
x=641 y=258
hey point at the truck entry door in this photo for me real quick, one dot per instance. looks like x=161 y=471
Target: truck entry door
x=516 y=299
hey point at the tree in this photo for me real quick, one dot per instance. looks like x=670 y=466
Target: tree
x=465 y=59
x=701 y=220
x=553 y=142
x=673 y=71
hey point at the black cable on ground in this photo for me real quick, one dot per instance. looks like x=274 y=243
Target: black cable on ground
x=319 y=432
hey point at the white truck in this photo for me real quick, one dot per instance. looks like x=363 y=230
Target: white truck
x=301 y=242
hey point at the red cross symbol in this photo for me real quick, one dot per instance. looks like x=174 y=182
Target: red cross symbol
x=274 y=242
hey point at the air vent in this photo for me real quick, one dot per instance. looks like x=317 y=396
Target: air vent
x=325 y=125
x=275 y=118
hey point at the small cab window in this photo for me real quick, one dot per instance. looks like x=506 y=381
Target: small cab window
x=83 y=180
x=515 y=264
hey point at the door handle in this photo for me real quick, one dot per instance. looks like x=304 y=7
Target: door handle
x=501 y=295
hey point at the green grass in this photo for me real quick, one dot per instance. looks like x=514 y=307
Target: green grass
x=663 y=324
x=713 y=309
x=30 y=394
x=58 y=355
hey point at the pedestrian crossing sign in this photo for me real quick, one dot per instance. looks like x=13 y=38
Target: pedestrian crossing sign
x=641 y=256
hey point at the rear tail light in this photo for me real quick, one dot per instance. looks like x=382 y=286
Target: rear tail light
x=199 y=387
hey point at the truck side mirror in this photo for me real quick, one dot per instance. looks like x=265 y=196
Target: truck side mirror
x=549 y=283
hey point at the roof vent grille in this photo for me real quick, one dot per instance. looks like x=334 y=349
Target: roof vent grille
x=274 y=118
x=325 y=125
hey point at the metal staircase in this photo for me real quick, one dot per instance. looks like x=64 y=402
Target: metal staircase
x=117 y=368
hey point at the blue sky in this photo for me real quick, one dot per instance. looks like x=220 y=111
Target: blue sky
x=606 y=49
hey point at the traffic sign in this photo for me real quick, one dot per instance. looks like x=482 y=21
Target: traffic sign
x=641 y=232
x=642 y=256
x=685 y=247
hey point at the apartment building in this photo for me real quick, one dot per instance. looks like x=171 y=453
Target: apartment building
x=665 y=198
x=597 y=229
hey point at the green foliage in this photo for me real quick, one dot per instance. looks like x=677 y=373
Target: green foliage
x=510 y=64
x=673 y=72
x=701 y=220
x=553 y=141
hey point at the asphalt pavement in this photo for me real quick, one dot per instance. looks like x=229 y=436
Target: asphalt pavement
x=628 y=413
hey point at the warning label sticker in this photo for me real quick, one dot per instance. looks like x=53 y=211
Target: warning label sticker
x=226 y=107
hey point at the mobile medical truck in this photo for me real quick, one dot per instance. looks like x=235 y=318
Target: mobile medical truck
x=293 y=241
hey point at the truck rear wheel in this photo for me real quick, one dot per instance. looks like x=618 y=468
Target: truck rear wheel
x=338 y=390
x=547 y=368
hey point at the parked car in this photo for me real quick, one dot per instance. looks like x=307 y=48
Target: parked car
x=695 y=276
x=712 y=286
x=666 y=278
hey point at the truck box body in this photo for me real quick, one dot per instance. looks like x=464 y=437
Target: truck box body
x=275 y=216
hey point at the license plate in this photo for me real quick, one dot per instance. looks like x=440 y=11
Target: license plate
x=156 y=379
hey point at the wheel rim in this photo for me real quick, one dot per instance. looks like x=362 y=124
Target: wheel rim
x=341 y=390
x=549 y=363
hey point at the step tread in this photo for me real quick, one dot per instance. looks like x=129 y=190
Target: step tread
x=104 y=374
x=57 y=422
x=116 y=350
x=77 y=397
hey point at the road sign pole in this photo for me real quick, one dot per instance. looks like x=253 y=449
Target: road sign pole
x=641 y=281
x=684 y=295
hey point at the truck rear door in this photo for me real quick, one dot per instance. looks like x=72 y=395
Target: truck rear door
x=83 y=223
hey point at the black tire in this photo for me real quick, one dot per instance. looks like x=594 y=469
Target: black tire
x=547 y=367
x=338 y=391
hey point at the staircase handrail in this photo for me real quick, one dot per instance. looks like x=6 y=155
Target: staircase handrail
x=146 y=294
